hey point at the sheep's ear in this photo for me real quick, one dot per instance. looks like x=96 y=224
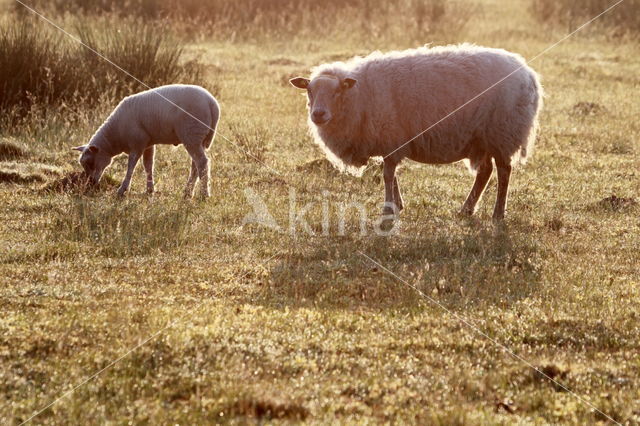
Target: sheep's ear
x=348 y=83
x=300 y=82
x=79 y=148
x=93 y=149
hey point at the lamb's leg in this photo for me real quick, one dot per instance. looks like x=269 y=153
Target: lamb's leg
x=131 y=165
x=483 y=175
x=504 y=172
x=199 y=156
x=396 y=194
x=147 y=161
x=389 y=173
x=193 y=176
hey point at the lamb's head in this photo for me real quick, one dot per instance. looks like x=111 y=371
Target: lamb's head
x=326 y=94
x=93 y=160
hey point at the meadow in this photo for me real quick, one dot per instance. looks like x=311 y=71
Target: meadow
x=156 y=310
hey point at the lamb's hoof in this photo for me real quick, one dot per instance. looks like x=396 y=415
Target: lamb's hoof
x=121 y=193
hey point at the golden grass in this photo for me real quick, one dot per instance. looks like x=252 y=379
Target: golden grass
x=269 y=327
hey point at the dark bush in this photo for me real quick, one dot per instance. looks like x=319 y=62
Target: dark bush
x=41 y=67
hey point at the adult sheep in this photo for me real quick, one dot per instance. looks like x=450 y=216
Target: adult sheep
x=381 y=105
x=173 y=114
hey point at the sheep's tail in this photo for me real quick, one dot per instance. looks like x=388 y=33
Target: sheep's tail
x=537 y=93
x=215 y=117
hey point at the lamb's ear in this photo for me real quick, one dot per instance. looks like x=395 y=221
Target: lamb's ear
x=79 y=148
x=348 y=83
x=300 y=82
x=93 y=149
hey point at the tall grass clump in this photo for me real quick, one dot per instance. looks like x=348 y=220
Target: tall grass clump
x=624 y=19
x=40 y=67
x=121 y=229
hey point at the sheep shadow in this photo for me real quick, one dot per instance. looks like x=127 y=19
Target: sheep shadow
x=479 y=264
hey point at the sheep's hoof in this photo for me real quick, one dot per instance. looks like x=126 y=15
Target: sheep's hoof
x=389 y=210
x=498 y=217
x=121 y=193
x=466 y=211
x=388 y=218
x=387 y=223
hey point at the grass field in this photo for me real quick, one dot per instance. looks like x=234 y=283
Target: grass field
x=235 y=323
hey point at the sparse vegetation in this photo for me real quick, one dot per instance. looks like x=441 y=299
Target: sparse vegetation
x=252 y=324
x=282 y=18
x=623 y=19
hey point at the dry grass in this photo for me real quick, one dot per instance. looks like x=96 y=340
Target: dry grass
x=251 y=19
x=267 y=327
x=622 y=20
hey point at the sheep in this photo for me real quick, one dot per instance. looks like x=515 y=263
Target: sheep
x=380 y=106
x=173 y=114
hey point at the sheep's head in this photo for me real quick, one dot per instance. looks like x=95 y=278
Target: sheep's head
x=325 y=93
x=93 y=160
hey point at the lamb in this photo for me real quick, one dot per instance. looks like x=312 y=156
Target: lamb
x=380 y=106
x=173 y=114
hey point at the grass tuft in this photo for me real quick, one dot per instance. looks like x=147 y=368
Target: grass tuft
x=79 y=183
x=11 y=150
x=26 y=173
x=39 y=68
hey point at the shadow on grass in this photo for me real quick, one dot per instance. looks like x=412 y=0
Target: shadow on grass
x=466 y=263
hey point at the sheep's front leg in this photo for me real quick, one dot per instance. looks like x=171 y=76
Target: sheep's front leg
x=391 y=189
x=147 y=161
x=131 y=165
x=396 y=194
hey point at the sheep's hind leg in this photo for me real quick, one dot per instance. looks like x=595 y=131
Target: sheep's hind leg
x=193 y=176
x=483 y=175
x=147 y=162
x=131 y=165
x=504 y=172
x=199 y=157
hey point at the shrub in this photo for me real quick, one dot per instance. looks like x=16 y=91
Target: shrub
x=39 y=67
